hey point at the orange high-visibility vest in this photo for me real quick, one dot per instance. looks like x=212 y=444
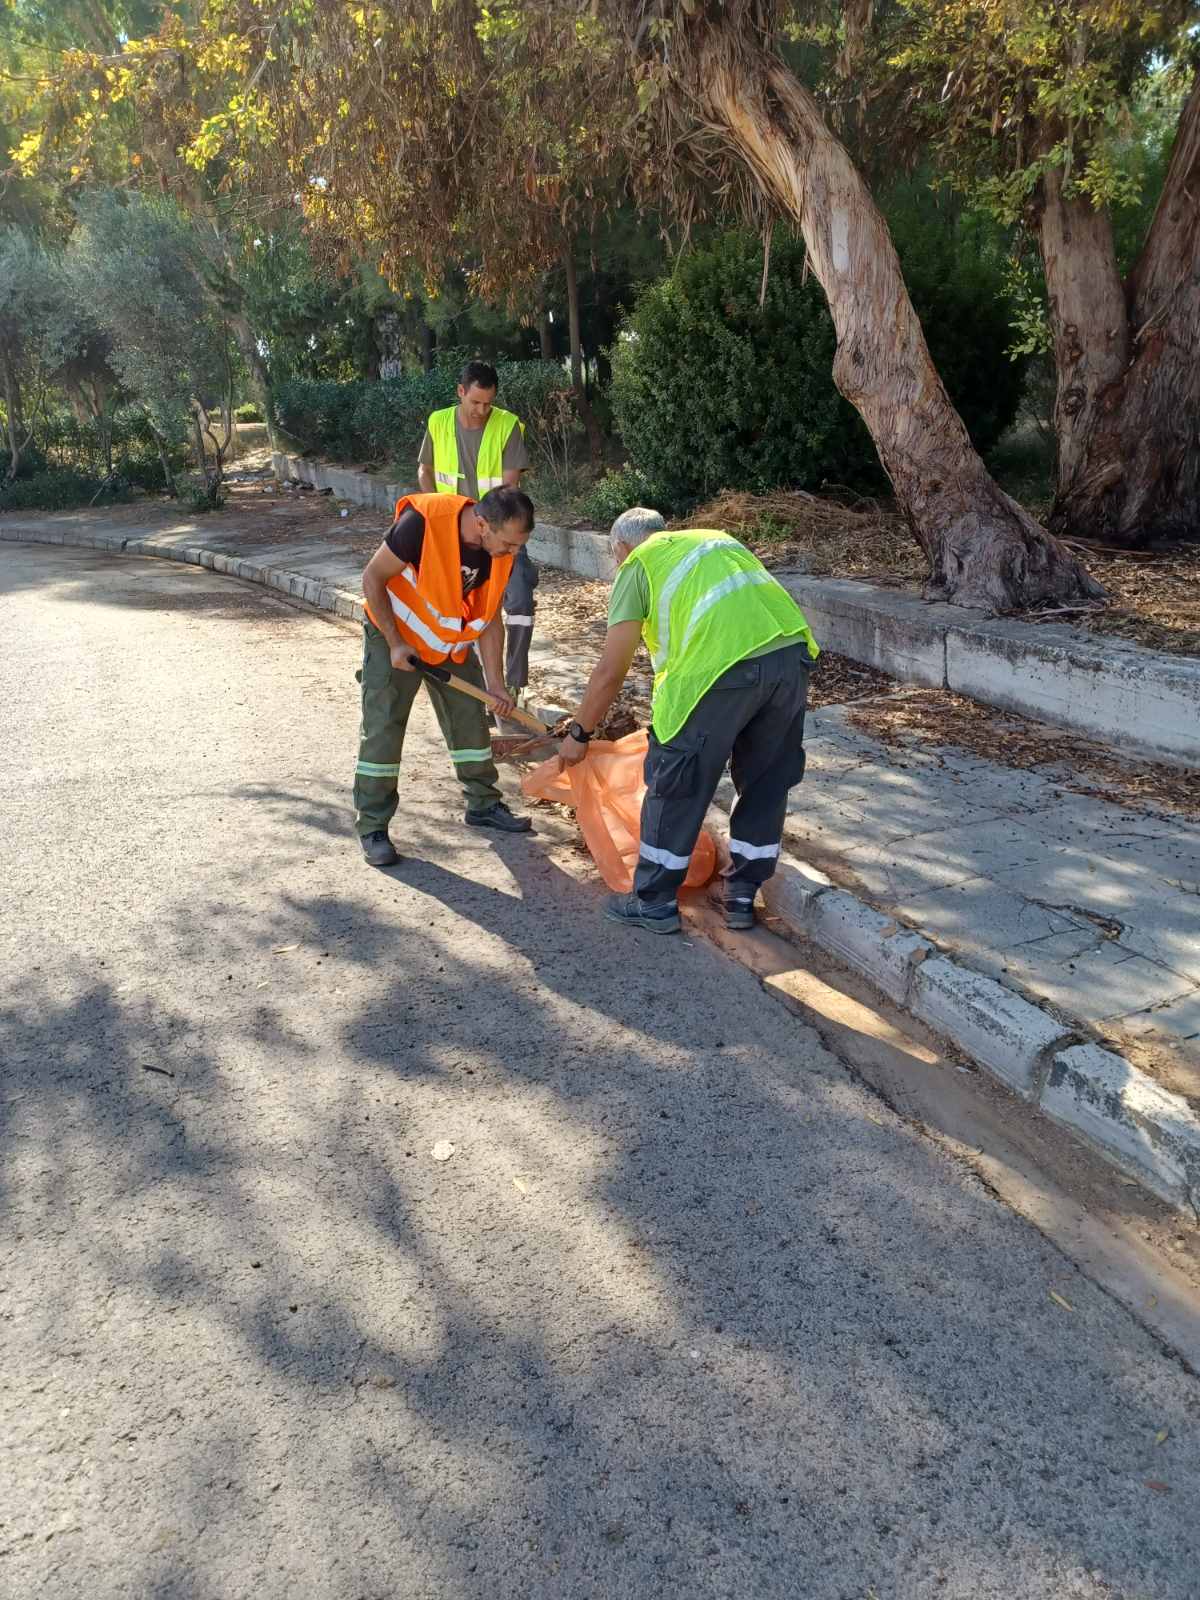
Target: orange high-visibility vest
x=429 y=608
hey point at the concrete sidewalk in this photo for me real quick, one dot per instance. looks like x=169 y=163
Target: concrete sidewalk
x=1089 y=909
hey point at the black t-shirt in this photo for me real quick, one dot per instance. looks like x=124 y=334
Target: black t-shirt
x=406 y=537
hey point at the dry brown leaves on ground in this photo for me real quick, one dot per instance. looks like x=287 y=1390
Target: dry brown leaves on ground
x=1154 y=598
x=572 y=615
x=937 y=717
x=850 y=538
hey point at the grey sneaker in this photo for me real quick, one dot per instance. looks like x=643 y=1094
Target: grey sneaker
x=498 y=816
x=635 y=913
x=378 y=849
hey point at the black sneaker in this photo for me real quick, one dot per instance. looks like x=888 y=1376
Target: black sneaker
x=498 y=816
x=378 y=849
x=635 y=913
x=736 y=905
x=739 y=911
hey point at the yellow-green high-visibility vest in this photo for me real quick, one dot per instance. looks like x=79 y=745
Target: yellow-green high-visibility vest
x=712 y=603
x=490 y=467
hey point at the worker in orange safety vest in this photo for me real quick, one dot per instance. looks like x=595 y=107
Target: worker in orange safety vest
x=433 y=590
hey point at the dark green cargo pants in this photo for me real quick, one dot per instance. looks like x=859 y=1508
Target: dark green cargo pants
x=387 y=700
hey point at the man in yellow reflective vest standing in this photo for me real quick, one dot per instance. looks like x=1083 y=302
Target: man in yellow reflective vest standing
x=731 y=652
x=468 y=449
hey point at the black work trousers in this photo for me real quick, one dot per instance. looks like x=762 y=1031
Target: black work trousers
x=519 y=610
x=753 y=719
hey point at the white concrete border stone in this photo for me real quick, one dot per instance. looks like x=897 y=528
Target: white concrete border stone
x=1150 y=1132
x=994 y=1026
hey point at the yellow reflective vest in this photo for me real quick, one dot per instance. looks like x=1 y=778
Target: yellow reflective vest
x=490 y=467
x=712 y=603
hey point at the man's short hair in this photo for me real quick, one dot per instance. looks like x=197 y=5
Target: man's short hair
x=636 y=525
x=481 y=373
x=505 y=504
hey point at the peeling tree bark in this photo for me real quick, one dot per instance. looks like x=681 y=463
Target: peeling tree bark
x=1138 y=477
x=984 y=549
x=1088 y=317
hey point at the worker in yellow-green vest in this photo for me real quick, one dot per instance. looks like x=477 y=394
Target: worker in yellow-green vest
x=731 y=653
x=468 y=449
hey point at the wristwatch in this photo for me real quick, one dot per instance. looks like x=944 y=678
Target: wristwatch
x=576 y=732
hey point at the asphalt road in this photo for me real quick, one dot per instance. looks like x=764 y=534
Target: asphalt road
x=687 y=1313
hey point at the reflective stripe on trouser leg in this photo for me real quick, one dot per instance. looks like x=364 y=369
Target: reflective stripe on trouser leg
x=463 y=722
x=518 y=635
x=767 y=762
x=681 y=779
x=387 y=697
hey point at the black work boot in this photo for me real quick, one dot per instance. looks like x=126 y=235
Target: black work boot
x=736 y=900
x=498 y=816
x=378 y=849
x=635 y=913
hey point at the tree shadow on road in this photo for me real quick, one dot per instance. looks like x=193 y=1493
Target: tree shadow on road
x=683 y=1314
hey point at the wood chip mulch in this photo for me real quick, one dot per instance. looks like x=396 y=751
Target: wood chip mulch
x=1154 y=596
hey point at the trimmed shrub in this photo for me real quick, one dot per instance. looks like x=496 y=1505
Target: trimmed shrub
x=615 y=492
x=53 y=489
x=711 y=391
x=248 y=412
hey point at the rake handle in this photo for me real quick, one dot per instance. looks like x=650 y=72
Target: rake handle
x=444 y=675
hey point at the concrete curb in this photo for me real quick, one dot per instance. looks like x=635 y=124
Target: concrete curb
x=1135 y=699
x=1144 y=1129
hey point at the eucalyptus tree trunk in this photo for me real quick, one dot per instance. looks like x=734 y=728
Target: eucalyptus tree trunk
x=15 y=421
x=1088 y=318
x=984 y=549
x=1137 y=476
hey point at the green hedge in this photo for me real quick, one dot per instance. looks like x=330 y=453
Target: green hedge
x=367 y=422
x=64 y=444
x=52 y=489
x=711 y=391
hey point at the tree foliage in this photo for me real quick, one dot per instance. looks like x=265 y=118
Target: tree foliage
x=134 y=260
x=722 y=378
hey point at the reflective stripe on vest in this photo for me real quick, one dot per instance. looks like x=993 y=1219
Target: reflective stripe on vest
x=489 y=469
x=712 y=603
x=429 y=608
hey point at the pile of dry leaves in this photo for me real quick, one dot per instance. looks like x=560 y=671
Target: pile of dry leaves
x=847 y=537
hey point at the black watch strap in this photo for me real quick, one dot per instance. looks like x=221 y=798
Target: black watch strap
x=575 y=731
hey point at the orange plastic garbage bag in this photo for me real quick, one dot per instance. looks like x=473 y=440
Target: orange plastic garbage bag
x=607 y=789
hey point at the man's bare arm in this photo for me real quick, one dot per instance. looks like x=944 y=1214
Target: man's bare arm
x=491 y=656
x=609 y=673
x=382 y=566
x=425 y=479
